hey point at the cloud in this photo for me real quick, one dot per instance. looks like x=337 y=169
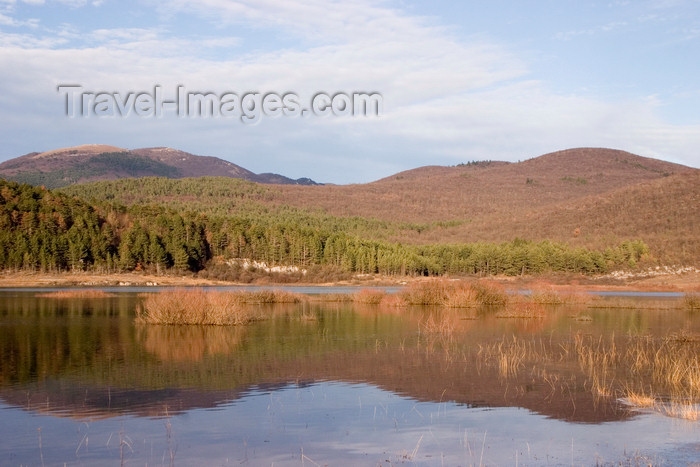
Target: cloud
x=446 y=99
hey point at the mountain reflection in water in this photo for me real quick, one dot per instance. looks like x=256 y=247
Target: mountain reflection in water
x=87 y=360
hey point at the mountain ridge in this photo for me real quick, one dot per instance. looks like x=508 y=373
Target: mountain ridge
x=93 y=162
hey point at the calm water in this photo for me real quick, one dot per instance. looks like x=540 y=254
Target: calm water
x=335 y=384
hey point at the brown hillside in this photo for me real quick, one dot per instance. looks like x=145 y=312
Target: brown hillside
x=195 y=166
x=92 y=162
x=665 y=213
x=468 y=192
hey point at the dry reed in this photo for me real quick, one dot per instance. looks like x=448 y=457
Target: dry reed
x=452 y=294
x=691 y=301
x=195 y=306
x=80 y=293
x=368 y=296
x=522 y=310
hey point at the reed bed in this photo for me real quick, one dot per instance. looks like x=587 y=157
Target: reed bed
x=79 y=293
x=660 y=373
x=522 y=311
x=369 y=296
x=331 y=298
x=195 y=306
x=451 y=294
x=691 y=301
x=267 y=296
x=546 y=295
x=634 y=303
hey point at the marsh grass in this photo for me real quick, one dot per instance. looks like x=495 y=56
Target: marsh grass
x=691 y=301
x=266 y=296
x=662 y=374
x=544 y=294
x=450 y=294
x=394 y=301
x=632 y=303
x=78 y=293
x=331 y=298
x=669 y=366
x=522 y=310
x=194 y=306
x=369 y=296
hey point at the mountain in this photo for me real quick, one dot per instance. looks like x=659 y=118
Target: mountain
x=92 y=162
x=585 y=197
x=471 y=191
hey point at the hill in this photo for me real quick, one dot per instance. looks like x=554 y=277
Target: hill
x=586 y=197
x=92 y=162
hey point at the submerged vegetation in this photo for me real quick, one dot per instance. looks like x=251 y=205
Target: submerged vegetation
x=657 y=373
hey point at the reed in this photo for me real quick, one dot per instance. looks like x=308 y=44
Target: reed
x=78 y=293
x=331 y=298
x=670 y=366
x=433 y=292
x=691 y=301
x=490 y=293
x=634 y=304
x=522 y=310
x=195 y=306
x=369 y=296
x=267 y=296
x=547 y=295
x=454 y=294
x=393 y=301
x=463 y=295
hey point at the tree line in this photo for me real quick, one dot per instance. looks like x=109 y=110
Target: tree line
x=50 y=231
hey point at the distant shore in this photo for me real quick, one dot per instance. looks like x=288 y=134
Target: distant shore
x=680 y=282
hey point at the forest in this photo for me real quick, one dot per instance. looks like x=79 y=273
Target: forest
x=45 y=230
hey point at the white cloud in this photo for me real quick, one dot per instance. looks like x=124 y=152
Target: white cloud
x=446 y=100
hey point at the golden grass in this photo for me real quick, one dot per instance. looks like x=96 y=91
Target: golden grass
x=267 y=296
x=522 y=310
x=80 y=293
x=632 y=303
x=671 y=367
x=547 y=295
x=393 y=301
x=369 y=296
x=331 y=298
x=451 y=294
x=691 y=301
x=195 y=306
x=639 y=399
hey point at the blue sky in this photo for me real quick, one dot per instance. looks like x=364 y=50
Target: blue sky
x=461 y=81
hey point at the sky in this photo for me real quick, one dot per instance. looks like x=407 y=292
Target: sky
x=459 y=81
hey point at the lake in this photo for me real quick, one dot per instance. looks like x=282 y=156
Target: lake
x=341 y=384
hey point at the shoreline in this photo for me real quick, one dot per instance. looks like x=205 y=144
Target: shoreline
x=682 y=282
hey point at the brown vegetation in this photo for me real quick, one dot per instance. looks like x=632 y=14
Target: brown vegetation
x=587 y=197
x=452 y=294
x=80 y=293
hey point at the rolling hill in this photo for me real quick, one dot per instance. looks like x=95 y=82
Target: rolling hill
x=92 y=162
x=586 y=197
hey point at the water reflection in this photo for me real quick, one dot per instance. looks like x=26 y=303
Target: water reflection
x=87 y=360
